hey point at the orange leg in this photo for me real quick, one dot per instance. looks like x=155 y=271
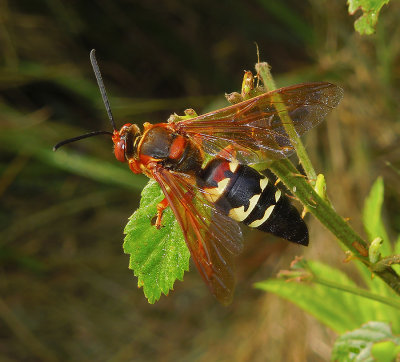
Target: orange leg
x=156 y=221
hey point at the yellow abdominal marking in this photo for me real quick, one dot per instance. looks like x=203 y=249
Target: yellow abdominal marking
x=263 y=183
x=213 y=194
x=239 y=214
x=277 y=195
x=267 y=214
x=233 y=165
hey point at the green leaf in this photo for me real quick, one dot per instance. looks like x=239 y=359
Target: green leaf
x=157 y=256
x=385 y=351
x=374 y=252
x=375 y=228
x=320 y=187
x=372 y=216
x=365 y=24
x=339 y=310
x=357 y=345
x=332 y=307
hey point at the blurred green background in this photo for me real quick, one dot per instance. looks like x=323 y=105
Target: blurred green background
x=65 y=289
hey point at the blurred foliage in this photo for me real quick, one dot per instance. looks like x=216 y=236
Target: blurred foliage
x=361 y=344
x=366 y=23
x=334 y=298
x=66 y=292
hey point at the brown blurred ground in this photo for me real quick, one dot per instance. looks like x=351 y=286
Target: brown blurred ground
x=65 y=290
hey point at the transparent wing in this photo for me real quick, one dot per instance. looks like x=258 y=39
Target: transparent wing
x=254 y=128
x=212 y=238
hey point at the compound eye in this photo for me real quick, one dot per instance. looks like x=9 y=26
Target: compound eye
x=119 y=151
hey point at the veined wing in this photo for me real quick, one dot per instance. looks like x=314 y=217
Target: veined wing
x=254 y=128
x=212 y=238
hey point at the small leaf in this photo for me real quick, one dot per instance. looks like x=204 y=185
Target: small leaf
x=372 y=216
x=375 y=228
x=357 y=345
x=374 y=252
x=320 y=187
x=365 y=24
x=157 y=256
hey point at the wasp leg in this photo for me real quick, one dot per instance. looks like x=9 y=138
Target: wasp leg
x=156 y=220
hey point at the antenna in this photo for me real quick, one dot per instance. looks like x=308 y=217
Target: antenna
x=106 y=103
x=101 y=87
x=86 y=135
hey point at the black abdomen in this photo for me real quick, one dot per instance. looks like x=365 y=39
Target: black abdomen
x=249 y=197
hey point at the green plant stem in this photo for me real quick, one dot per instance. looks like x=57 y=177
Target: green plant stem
x=302 y=188
x=297 y=184
x=264 y=70
x=385 y=262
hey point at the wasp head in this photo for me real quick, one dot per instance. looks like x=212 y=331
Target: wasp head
x=126 y=141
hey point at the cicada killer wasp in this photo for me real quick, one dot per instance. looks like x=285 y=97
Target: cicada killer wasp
x=209 y=198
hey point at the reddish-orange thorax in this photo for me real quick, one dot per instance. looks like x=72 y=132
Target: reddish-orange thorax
x=138 y=149
x=158 y=144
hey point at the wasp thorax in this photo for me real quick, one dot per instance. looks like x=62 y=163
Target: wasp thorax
x=125 y=142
